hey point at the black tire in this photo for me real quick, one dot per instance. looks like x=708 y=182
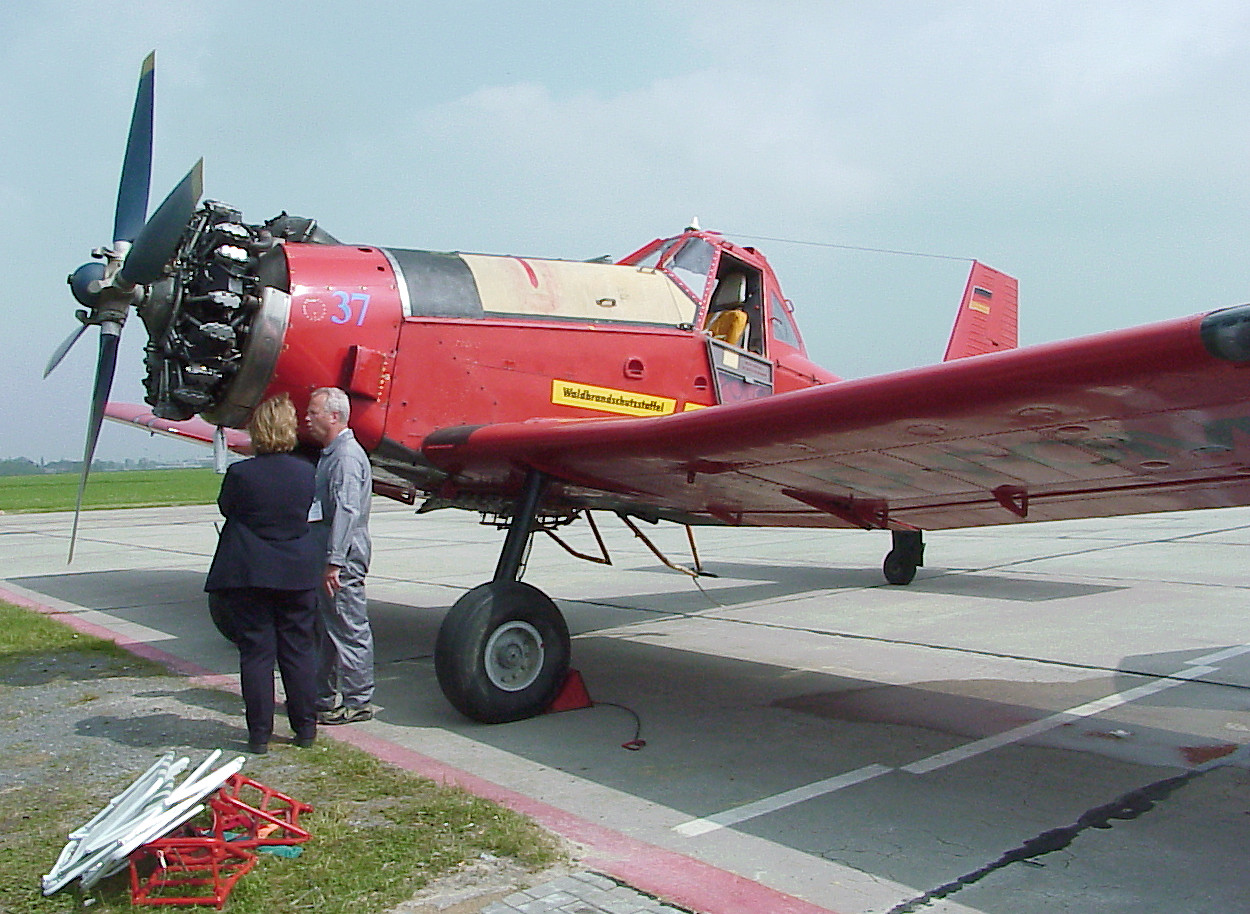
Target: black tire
x=898 y=568
x=502 y=652
x=222 y=611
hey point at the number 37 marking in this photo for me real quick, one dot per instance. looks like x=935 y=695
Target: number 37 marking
x=347 y=308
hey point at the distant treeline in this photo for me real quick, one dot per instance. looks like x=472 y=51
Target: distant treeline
x=22 y=466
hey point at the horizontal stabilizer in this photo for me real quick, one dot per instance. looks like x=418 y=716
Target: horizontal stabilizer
x=987 y=315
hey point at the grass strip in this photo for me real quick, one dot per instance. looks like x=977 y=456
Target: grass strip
x=379 y=832
x=115 y=489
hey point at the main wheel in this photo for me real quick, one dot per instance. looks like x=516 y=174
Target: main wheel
x=502 y=652
x=222 y=612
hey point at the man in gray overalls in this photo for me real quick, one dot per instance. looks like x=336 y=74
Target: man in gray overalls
x=340 y=512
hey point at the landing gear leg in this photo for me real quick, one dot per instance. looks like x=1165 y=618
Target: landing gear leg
x=503 y=649
x=907 y=555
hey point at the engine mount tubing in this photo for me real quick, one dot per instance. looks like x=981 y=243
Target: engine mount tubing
x=521 y=526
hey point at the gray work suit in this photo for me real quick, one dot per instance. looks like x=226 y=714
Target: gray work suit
x=341 y=514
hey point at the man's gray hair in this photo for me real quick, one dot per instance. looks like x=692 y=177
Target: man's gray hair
x=336 y=402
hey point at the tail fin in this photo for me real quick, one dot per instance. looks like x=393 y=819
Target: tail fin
x=986 y=321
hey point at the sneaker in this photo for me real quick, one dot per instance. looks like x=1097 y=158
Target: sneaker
x=345 y=715
x=324 y=714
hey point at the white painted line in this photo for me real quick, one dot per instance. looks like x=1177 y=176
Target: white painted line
x=780 y=801
x=1199 y=666
x=1089 y=709
x=132 y=630
x=1220 y=656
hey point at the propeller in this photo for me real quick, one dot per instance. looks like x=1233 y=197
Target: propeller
x=108 y=286
x=132 y=191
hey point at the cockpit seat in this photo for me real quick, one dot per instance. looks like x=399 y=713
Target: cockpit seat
x=728 y=326
x=727 y=316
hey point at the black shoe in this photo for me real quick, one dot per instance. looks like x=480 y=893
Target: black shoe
x=256 y=747
x=345 y=715
x=304 y=742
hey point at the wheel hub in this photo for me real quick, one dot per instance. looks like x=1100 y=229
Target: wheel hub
x=514 y=656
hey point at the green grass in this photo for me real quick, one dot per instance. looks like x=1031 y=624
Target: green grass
x=121 y=489
x=24 y=633
x=379 y=833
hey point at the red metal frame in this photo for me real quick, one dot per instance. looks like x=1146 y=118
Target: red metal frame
x=269 y=818
x=246 y=815
x=184 y=864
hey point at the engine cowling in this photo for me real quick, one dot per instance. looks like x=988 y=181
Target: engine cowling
x=251 y=310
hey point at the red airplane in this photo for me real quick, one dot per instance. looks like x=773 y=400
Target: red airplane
x=672 y=385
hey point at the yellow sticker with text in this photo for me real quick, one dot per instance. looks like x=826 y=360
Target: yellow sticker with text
x=607 y=400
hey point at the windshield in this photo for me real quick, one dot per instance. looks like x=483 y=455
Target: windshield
x=692 y=265
x=653 y=259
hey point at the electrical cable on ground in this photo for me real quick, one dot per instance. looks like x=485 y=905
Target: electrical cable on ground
x=633 y=745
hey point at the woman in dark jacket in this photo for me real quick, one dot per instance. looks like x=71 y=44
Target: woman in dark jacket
x=265 y=573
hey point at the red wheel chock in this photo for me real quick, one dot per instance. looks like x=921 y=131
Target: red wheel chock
x=572 y=695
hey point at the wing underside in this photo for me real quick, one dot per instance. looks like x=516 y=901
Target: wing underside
x=195 y=430
x=1147 y=419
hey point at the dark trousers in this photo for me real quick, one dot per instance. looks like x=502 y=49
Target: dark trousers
x=276 y=626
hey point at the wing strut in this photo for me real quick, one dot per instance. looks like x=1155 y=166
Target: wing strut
x=603 y=558
x=695 y=572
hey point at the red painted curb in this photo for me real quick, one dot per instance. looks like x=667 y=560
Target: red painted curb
x=665 y=874
x=138 y=648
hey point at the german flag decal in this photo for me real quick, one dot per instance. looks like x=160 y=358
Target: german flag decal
x=981 y=300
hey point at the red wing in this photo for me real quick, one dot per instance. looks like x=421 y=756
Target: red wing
x=196 y=429
x=1139 y=420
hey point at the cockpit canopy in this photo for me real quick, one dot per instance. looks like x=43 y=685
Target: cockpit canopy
x=688 y=259
x=733 y=289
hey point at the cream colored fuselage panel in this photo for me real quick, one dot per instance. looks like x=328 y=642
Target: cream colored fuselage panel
x=578 y=291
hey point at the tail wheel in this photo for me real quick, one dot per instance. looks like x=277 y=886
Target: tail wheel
x=899 y=568
x=502 y=652
x=907 y=555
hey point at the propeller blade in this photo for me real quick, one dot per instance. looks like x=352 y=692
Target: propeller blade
x=65 y=347
x=132 y=192
x=110 y=335
x=157 y=242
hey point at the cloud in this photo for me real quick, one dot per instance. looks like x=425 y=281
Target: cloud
x=842 y=113
x=1095 y=149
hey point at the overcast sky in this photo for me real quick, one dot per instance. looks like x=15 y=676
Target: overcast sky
x=1095 y=150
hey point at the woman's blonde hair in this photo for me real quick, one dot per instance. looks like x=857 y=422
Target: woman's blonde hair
x=274 y=426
